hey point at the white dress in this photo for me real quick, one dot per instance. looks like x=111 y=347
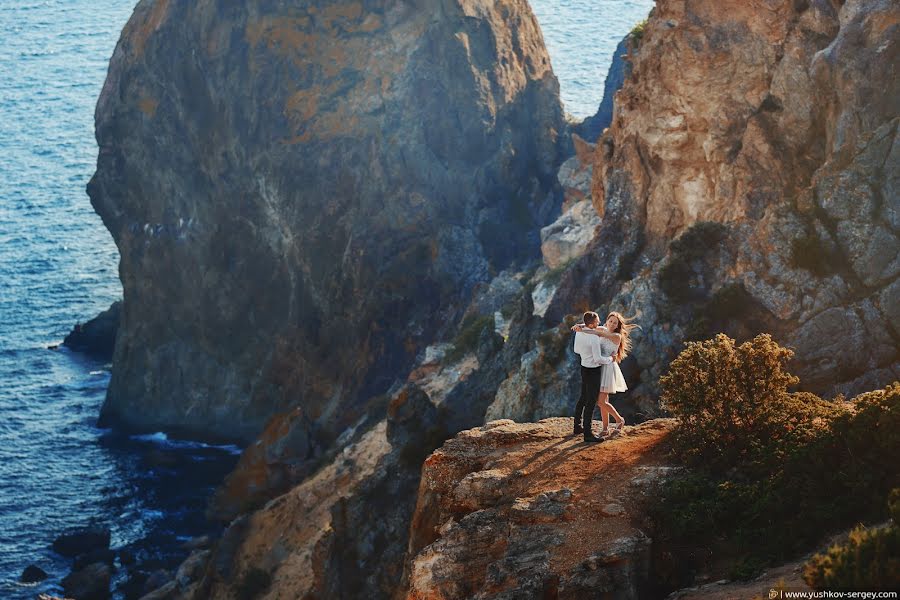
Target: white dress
x=611 y=379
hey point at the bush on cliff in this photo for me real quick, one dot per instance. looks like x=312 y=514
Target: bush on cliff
x=734 y=405
x=869 y=560
x=553 y=344
x=637 y=32
x=772 y=471
x=467 y=339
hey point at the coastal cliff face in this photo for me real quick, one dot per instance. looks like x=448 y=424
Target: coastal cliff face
x=297 y=191
x=762 y=138
x=378 y=189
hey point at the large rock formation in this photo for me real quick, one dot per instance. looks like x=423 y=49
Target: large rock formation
x=297 y=190
x=762 y=138
x=527 y=510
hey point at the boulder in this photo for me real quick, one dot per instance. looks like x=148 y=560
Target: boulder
x=89 y=583
x=82 y=541
x=98 y=336
x=32 y=574
x=517 y=510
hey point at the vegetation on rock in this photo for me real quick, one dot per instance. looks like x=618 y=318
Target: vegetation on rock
x=467 y=339
x=637 y=32
x=762 y=458
x=869 y=560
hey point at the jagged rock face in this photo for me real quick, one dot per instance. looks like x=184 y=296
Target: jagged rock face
x=777 y=120
x=295 y=190
x=591 y=128
x=342 y=532
x=571 y=234
x=525 y=510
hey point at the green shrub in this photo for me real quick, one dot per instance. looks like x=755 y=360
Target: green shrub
x=467 y=339
x=869 y=560
x=698 y=239
x=552 y=344
x=770 y=470
x=637 y=32
x=675 y=279
x=733 y=401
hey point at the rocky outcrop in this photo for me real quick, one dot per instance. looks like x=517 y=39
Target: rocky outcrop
x=569 y=236
x=341 y=533
x=620 y=69
x=526 y=510
x=279 y=177
x=88 y=583
x=748 y=183
x=97 y=337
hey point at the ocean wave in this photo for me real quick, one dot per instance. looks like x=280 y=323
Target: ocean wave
x=161 y=439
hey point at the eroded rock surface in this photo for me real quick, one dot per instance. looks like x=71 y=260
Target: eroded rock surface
x=748 y=183
x=279 y=176
x=526 y=510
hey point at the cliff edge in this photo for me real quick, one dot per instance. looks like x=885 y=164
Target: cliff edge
x=526 y=510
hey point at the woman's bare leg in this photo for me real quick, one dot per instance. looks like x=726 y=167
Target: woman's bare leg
x=604 y=412
x=610 y=409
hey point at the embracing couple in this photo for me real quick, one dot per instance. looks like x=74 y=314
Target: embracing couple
x=602 y=348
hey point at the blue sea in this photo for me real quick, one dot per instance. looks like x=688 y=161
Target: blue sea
x=58 y=266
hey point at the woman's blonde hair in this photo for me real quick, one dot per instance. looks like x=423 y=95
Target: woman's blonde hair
x=626 y=325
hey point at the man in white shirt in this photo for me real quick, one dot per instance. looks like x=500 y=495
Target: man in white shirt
x=588 y=347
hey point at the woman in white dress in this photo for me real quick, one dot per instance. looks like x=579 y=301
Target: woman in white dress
x=616 y=342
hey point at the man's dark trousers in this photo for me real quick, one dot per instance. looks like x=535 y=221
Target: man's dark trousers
x=590 y=389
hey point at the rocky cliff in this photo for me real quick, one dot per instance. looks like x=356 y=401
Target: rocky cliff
x=749 y=182
x=297 y=191
x=527 y=510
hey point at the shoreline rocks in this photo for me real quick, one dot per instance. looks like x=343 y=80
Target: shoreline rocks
x=82 y=541
x=97 y=337
x=33 y=574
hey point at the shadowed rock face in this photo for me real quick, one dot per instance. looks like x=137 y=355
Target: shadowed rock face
x=296 y=190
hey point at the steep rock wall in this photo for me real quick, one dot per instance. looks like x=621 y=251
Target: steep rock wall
x=748 y=183
x=296 y=191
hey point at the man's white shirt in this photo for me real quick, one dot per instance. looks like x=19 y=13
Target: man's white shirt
x=588 y=346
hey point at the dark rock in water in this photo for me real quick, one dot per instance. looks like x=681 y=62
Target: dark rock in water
x=32 y=574
x=156 y=580
x=127 y=557
x=160 y=458
x=168 y=591
x=89 y=583
x=97 y=337
x=133 y=587
x=198 y=543
x=275 y=173
x=82 y=541
x=100 y=555
x=591 y=128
